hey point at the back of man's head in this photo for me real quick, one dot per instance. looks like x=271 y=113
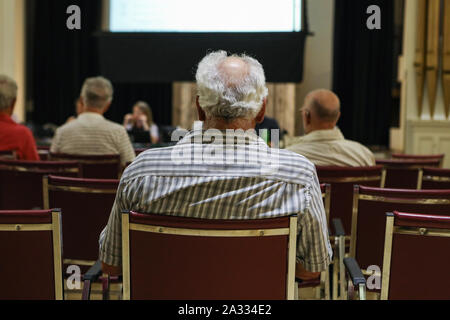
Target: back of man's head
x=8 y=92
x=230 y=87
x=97 y=93
x=322 y=110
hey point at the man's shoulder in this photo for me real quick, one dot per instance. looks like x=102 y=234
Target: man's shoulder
x=22 y=130
x=356 y=145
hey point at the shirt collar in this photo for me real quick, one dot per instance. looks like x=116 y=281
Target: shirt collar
x=324 y=135
x=209 y=136
x=90 y=115
x=6 y=118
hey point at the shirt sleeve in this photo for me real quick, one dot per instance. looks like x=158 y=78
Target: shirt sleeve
x=313 y=248
x=111 y=237
x=125 y=147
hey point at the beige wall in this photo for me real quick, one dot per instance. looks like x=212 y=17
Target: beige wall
x=285 y=99
x=12 y=47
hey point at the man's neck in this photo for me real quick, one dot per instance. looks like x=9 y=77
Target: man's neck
x=94 y=110
x=7 y=112
x=221 y=124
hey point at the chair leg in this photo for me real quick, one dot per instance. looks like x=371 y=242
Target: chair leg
x=86 y=295
x=335 y=278
x=296 y=291
x=327 y=284
x=341 y=267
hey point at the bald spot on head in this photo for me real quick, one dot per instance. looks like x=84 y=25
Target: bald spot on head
x=324 y=105
x=233 y=69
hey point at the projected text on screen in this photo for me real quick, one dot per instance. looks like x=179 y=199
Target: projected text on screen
x=205 y=16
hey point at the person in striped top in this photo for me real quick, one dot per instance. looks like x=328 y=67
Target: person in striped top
x=224 y=170
x=91 y=133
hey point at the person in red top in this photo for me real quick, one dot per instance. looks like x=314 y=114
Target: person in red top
x=14 y=136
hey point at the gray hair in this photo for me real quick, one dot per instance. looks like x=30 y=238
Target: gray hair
x=97 y=92
x=222 y=97
x=8 y=92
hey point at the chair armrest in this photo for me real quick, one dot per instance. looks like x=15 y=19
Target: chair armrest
x=89 y=277
x=354 y=271
x=338 y=227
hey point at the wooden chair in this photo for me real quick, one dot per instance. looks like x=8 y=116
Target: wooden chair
x=416 y=248
x=342 y=180
x=433 y=178
x=404 y=173
x=30 y=246
x=439 y=157
x=368 y=222
x=8 y=155
x=182 y=258
x=86 y=204
x=94 y=166
x=21 y=181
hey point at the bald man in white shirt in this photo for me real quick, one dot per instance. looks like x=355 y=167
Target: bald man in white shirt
x=324 y=144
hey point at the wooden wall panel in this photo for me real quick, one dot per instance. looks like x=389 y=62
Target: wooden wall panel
x=281 y=105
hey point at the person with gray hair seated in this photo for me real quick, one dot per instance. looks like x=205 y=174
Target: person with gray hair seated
x=91 y=133
x=324 y=144
x=224 y=170
x=13 y=136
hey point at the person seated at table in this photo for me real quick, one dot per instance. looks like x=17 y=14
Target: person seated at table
x=141 y=120
x=13 y=136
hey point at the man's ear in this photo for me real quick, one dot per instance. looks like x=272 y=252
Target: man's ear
x=260 y=117
x=338 y=117
x=201 y=113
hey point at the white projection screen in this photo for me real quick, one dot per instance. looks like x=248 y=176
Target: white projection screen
x=203 y=16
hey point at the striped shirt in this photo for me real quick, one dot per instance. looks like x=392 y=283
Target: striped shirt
x=92 y=134
x=241 y=180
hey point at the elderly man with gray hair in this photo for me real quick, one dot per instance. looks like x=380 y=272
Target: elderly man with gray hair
x=185 y=180
x=91 y=133
x=13 y=136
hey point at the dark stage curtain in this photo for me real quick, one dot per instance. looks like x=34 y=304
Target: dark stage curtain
x=60 y=59
x=363 y=68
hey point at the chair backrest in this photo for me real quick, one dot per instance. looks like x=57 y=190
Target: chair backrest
x=439 y=157
x=369 y=212
x=8 y=155
x=434 y=178
x=342 y=180
x=183 y=258
x=416 y=257
x=21 y=181
x=86 y=204
x=404 y=173
x=30 y=246
x=44 y=153
x=94 y=166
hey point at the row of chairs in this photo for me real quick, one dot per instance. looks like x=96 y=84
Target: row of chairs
x=204 y=259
